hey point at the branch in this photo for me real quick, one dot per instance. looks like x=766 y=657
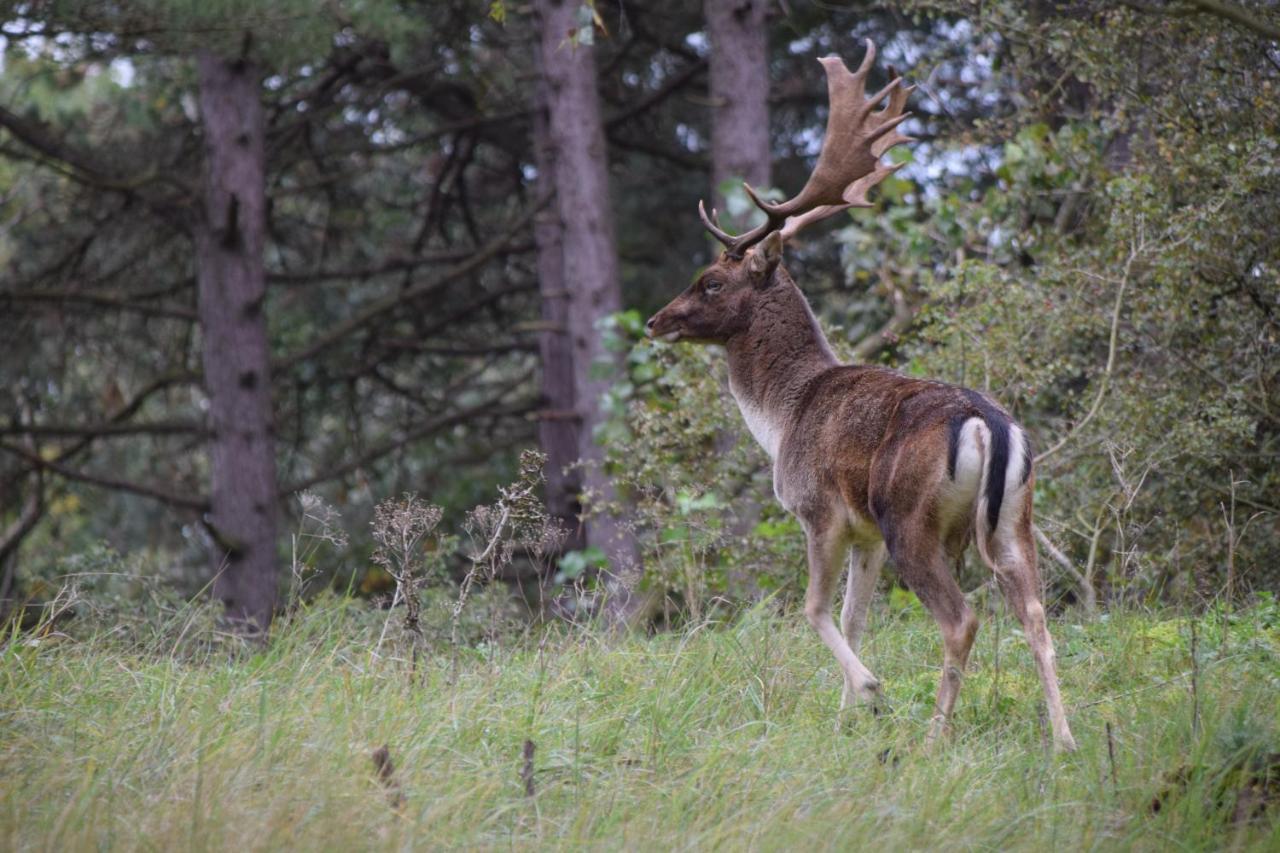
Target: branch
x=100 y=300
x=32 y=509
x=423 y=431
x=675 y=156
x=103 y=429
x=390 y=266
x=458 y=349
x=1111 y=360
x=1055 y=554
x=112 y=483
x=673 y=84
x=1215 y=8
x=904 y=313
x=388 y=303
x=80 y=167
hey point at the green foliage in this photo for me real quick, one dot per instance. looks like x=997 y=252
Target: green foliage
x=1111 y=173
x=276 y=34
x=576 y=564
x=709 y=530
x=1107 y=268
x=721 y=735
x=1125 y=303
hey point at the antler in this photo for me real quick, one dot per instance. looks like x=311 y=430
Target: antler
x=849 y=165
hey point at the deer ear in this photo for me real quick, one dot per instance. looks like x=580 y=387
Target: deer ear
x=763 y=258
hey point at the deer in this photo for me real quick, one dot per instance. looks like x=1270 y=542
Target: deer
x=873 y=464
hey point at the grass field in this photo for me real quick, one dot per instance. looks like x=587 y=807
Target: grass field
x=719 y=736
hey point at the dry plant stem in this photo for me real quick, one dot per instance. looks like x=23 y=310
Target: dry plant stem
x=1094 y=540
x=1233 y=543
x=483 y=558
x=903 y=315
x=1111 y=758
x=526 y=771
x=1195 y=679
x=1229 y=519
x=1089 y=595
x=994 y=693
x=386 y=771
x=386 y=623
x=1135 y=250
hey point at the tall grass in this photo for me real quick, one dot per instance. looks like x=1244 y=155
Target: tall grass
x=722 y=735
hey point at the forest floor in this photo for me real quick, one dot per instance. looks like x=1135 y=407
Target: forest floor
x=718 y=736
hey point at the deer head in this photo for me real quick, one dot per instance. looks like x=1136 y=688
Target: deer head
x=719 y=304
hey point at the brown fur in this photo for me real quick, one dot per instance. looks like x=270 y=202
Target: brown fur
x=865 y=458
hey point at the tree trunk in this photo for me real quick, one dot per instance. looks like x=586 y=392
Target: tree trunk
x=589 y=266
x=739 y=72
x=740 y=149
x=231 y=288
x=558 y=421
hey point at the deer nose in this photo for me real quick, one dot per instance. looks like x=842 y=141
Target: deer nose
x=648 y=326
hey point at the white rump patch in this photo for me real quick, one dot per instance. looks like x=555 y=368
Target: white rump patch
x=1013 y=485
x=971 y=457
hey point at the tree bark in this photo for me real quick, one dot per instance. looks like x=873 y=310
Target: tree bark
x=739 y=78
x=740 y=149
x=589 y=266
x=231 y=287
x=558 y=422
x=11 y=539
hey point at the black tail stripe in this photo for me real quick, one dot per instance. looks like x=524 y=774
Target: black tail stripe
x=999 y=425
x=1027 y=459
x=953 y=442
x=999 y=464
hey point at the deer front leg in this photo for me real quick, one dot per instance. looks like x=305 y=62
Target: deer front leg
x=865 y=563
x=826 y=552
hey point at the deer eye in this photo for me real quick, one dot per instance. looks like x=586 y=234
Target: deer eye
x=712 y=287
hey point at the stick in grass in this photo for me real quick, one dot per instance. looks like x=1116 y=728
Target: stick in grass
x=386 y=771
x=526 y=772
x=1195 y=680
x=1111 y=757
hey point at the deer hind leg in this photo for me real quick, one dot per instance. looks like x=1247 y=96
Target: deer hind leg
x=1014 y=555
x=865 y=563
x=927 y=571
x=826 y=548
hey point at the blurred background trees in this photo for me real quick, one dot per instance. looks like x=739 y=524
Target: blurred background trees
x=458 y=197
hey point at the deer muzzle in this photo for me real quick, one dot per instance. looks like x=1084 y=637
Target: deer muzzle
x=654 y=329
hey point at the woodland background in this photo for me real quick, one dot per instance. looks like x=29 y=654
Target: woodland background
x=269 y=266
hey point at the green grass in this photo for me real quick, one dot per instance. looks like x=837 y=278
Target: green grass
x=722 y=735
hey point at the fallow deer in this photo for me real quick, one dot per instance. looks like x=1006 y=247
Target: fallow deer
x=868 y=460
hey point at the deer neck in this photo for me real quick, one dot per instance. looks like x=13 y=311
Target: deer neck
x=772 y=361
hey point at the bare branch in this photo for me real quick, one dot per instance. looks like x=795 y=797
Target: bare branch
x=904 y=314
x=103 y=430
x=428 y=428
x=32 y=509
x=1104 y=385
x=1087 y=591
x=392 y=265
x=388 y=303
x=184 y=501
x=74 y=164
x=101 y=300
x=1214 y=8
x=673 y=84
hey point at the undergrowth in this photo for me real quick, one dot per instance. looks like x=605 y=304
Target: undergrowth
x=720 y=735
